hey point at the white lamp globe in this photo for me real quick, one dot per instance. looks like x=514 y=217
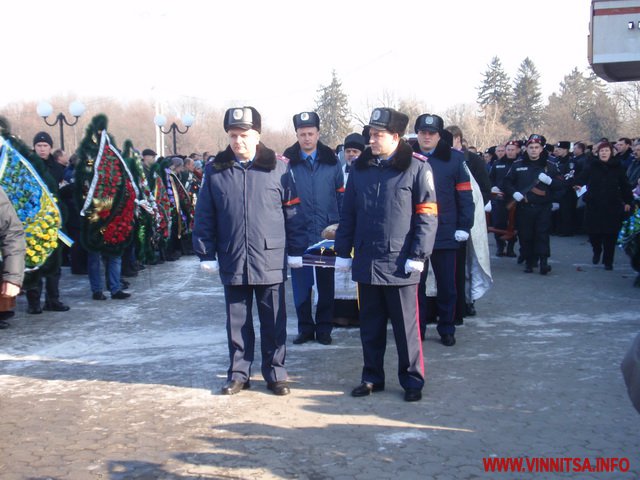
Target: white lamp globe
x=160 y=120
x=44 y=109
x=188 y=119
x=76 y=108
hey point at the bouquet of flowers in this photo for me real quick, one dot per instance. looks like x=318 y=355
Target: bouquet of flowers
x=35 y=205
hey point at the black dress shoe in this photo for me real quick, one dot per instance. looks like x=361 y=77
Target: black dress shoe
x=520 y=260
x=34 y=309
x=7 y=315
x=234 y=386
x=56 y=306
x=324 y=339
x=596 y=258
x=412 y=395
x=98 y=296
x=303 y=338
x=366 y=388
x=279 y=388
x=608 y=267
x=448 y=340
x=120 y=295
x=4 y=324
x=528 y=269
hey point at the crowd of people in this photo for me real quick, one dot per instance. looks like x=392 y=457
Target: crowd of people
x=406 y=218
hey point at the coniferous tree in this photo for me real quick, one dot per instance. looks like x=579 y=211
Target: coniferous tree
x=495 y=89
x=332 y=107
x=525 y=110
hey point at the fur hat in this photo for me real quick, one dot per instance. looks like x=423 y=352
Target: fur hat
x=354 y=140
x=42 y=137
x=306 y=119
x=390 y=120
x=246 y=118
x=148 y=151
x=430 y=123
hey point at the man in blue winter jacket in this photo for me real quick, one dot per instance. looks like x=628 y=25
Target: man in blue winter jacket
x=248 y=227
x=389 y=218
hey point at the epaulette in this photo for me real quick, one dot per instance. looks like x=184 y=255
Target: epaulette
x=282 y=158
x=419 y=156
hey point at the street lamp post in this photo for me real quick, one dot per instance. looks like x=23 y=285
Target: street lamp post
x=161 y=121
x=76 y=109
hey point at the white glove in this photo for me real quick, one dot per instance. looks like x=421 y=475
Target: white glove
x=343 y=264
x=413 y=266
x=518 y=197
x=461 y=236
x=495 y=190
x=555 y=206
x=544 y=178
x=209 y=266
x=487 y=207
x=294 y=262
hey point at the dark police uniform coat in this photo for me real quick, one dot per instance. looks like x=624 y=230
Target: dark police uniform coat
x=455 y=212
x=533 y=214
x=249 y=218
x=389 y=215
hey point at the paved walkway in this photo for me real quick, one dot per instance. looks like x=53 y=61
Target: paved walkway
x=129 y=389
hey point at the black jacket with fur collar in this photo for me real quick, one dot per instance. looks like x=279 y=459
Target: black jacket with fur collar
x=265 y=158
x=401 y=160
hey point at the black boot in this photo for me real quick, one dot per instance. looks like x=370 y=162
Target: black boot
x=544 y=267
x=510 y=249
x=33 y=300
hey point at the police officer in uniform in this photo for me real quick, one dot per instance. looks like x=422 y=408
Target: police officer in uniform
x=455 y=219
x=534 y=183
x=499 y=211
x=320 y=186
x=247 y=221
x=389 y=218
x=566 y=213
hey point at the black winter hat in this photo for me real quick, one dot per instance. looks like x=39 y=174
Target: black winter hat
x=429 y=122
x=536 y=138
x=564 y=144
x=389 y=119
x=148 y=151
x=306 y=119
x=43 y=137
x=246 y=118
x=354 y=140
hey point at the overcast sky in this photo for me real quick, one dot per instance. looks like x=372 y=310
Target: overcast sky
x=274 y=55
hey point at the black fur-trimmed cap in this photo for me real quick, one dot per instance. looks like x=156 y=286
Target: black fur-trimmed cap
x=354 y=140
x=537 y=138
x=306 y=119
x=42 y=137
x=389 y=119
x=430 y=123
x=564 y=144
x=246 y=118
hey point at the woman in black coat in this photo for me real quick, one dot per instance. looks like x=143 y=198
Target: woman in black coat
x=607 y=198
